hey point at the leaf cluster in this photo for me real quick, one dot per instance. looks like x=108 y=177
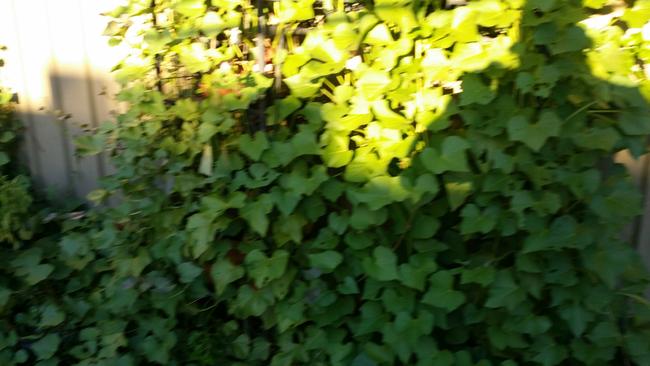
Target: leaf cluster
x=400 y=183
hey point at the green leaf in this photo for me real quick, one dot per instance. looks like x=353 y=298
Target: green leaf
x=289 y=229
x=387 y=117
x=157 y=41
x=363 y=360
x=363 y=217
x=326 y=261
x=505 y=292
x=571 y=39
x=5 y=294
x=194 y=57
x=534 y=325
x=241 y=346
x=413 y=276
x=97 y=196
x=46 y=347
x=481 y=275
x=606 y=332
x=28 y=265
x=542 y=5
x=212 y=24
x=223 y=273
x=357 y=240
x=475 y=91
x=335 y=152
x=577 y=317
x=263 y=269
x=303 y=86
x=256 y=214
x=201 y=229
x=372 y=83
x=477 y=221
x=348 y=286
x=252 y=302
x=379 y=192
x=253 y=147
x=383 y=264
x=51 y=316
x=380 y=353
x=300 y=182
x=425 y=185
x=348 y=123
x=20 y=357
x=379 y=35
x=502 y=338
x=458 y=189
x=337 y=223
x=86 y=145
x=295 y=10
x=206 y=131
x=113 y=28
x=464 y=25
x=597 y=138
x=637 y=16
x=441 y=293
x=525 y=81
x=637 y=346
x=304 y=143
x=534 y=135
x=424 y=226
x=188 y=271
x=451 y=156
x=549 y=353
x=7 y=136
x=286 y=202
x=282 y=108
x=258 y=175
x=190 y=8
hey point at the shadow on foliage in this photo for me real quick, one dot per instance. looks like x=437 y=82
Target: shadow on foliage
x=484 y=233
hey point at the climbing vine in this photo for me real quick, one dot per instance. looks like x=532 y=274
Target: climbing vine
x=394 y=182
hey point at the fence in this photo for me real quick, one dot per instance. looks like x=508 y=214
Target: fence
x=58 y=64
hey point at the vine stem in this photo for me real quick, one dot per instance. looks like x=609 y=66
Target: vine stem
x=159 y=85
x=409 y=223
x=581 y=109
x=260 y=54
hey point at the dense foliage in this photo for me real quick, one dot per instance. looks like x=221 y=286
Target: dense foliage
x=20 y=226
x=395 y=182
x=15 y=202
x=9 y=129
x=15 y=199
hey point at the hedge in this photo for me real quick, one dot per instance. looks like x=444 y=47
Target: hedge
x=394 y=182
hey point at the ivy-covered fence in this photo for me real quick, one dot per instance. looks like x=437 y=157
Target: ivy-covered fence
x=58 y=65
x=390 y=183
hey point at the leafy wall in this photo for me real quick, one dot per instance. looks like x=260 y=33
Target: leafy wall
x=387 y=183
